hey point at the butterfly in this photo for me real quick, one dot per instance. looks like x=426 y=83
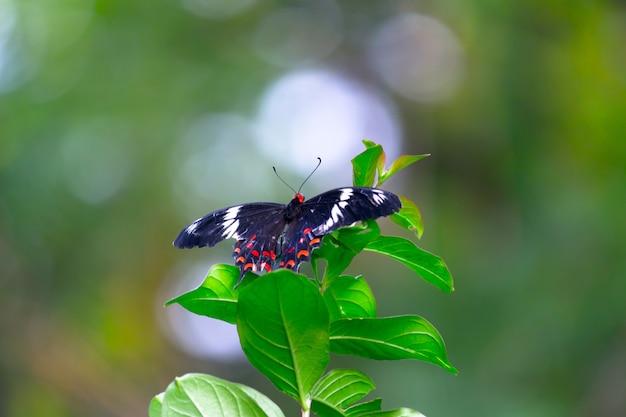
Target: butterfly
x=273 y=235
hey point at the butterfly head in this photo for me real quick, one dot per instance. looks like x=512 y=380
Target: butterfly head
x=298 y=197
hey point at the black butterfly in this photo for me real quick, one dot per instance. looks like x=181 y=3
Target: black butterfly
x=271 y=232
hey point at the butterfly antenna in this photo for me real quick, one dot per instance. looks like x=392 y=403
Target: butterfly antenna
x=319 y=162
x=283 y=181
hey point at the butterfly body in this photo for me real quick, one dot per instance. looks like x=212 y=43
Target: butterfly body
x=272 y=235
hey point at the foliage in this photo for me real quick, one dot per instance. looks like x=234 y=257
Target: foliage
x=289 y=324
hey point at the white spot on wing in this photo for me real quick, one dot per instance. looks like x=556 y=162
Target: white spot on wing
x=231 y=213
x=346 y=193
x=230 y=230
x=192 y=227
x=335 y=214
x=378 y=197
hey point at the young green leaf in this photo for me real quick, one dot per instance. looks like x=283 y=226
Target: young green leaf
x=391 y=338
x=215 y=297
x=197 y=395
x=398 y=165
x=409 y=217
x=430 y=267
x=364 y=166
x=283 y=326
x=380 y=164
x=349 y=297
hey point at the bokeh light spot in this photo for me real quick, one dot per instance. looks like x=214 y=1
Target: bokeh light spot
x=311 y=113
x=418 y=57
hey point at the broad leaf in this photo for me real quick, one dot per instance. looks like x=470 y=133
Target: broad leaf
x=270 y=408
x=364 y=408
x=349 y=297
x=398 y=165
x=342 y=387
x=283 y=327
x=430 y=267
x=364 y=166
x=322 y=409
x=391 y=338
x=409 y=217
x=197 y=395
x=215 y=297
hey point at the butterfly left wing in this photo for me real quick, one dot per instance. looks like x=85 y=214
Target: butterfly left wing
x=328 y=212
x=239 y=222
x=256 y=226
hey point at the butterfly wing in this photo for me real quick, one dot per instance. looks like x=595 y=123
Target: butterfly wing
x=328 y=212
x=239 y=222
x=256 y=226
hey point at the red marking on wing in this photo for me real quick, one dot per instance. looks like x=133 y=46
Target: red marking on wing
x=307 y=231
x=270 y=254
x=290 y=263
x=303 y=253
x=255 y=253
x=314 y=241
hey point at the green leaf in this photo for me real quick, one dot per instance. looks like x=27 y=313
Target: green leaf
x=215 y=297
x=321 y=409
x=156 y=406
x=391 y=338
x=270 y=408
x=197 y=395
x=340 y=247
x=380 y=164
x=349 y=297
x=364 y=166
x=430 y=267
x=283 y=326
x=398 y=165
x=409 y=217
x=342 y=387
x=364 y=408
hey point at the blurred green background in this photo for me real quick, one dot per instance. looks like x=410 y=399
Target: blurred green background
x=122 y=121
